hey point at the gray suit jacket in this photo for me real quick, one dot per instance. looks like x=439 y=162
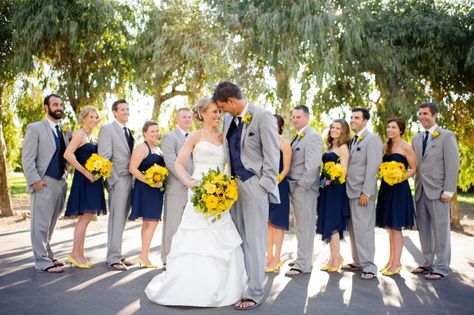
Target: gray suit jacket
x=364 y=161
x=171 y=144
x=113 y=146
x=306 y=161
x=438 y=169
x=260 y=149
x=38 y=150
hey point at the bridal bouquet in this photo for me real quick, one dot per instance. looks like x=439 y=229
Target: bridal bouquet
x=98 y=166
x=334 y=172
x=156 y=174
x=392 y=172
x=216 y=194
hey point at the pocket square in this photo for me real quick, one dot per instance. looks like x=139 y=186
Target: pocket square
x=358 y=149
x=251 y=134
x=297 y=149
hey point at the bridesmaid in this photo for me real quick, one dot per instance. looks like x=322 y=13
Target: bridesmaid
x=279 y=214
x=333 y=204
x=147 y=201
x=87 y=194
x=395 y=208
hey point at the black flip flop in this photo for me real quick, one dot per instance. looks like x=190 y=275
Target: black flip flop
x=238 y=308
x=362 y=275
x=352 y=267
x=424 y=270
x=48 y=270
x=112 y=266
x=299 y=272
x=441 y=277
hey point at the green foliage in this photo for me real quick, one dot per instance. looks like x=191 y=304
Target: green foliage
x=84 y=42
x=179 y=51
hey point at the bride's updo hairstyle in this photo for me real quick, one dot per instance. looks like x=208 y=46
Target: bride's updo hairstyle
x=85 y=112
x=200 y=108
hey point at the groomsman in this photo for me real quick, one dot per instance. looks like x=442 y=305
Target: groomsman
x=435 y=184
x=116 y=144
x=366 y=151
x=45 y=171
x=303 y=179
x=252 y=149
x=176 y=195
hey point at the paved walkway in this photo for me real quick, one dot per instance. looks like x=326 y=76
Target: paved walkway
x=103 y=291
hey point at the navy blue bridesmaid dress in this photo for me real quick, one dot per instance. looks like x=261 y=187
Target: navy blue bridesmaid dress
x=147 y=201
x=85 y=197
x=395 y=207
x=333 y=206
x=279 y=214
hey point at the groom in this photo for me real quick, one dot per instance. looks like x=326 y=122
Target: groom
x=252 y=140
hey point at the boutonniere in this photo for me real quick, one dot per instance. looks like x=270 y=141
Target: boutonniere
x=65 y=128
x=247 y=118
x=300 y=135
x=279 y=178
x=360 y=138
x=435 y=134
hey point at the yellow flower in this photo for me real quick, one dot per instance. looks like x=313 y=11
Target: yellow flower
x=334 y=172
x=210 y=188
x=360 y=138
x=98 y=166
x=279 y=178
x=247 y=118
x=435 y=134
x=300 y=135
x=65 y=128
x=392 y=172
x=156 y=174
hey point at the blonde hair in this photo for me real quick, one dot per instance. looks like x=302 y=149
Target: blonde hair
x=86 y=110
x=201 y=107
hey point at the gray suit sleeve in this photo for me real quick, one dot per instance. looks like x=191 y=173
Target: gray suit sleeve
x=29 y=153
x=374 y=158
x=270 y=148
x=451 y=163
x=312 y=161
x=169 y=154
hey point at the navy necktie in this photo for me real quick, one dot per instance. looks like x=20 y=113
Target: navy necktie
x=353 y=141
x=294 y=139
x=425 y=141
x=129 y=138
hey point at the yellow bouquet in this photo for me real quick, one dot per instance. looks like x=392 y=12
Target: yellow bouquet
x=98 y=166
x=392 y=172
x=216 y=194
x=156 y=174
x=334 y=172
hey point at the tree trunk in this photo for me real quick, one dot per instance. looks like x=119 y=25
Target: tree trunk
x=5 y=200
x=283 y=92
x=156 y=106
x=455 y=220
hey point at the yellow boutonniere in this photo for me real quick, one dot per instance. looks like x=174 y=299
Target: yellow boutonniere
x=65 y=128
x=300 y=135
x=435 y=134
x=247 y=118
x=360 y=138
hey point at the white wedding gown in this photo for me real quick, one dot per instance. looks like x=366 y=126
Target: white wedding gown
x=205 y=266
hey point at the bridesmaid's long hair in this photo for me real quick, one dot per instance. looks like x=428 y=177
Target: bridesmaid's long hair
x=345 y=134
x=281 y=123
x=401 y=125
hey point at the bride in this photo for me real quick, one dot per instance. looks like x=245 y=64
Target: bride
x=205 y=266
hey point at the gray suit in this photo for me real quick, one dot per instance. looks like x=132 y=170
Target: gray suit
x=437 y=172
x=45 y=205
x=365 y=158
x=304 y=173
x=176 y=195
x=259 y=155
x=113 y=146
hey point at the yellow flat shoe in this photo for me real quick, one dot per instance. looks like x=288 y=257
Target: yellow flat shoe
x=141 y=263
x=74 y=263
x=392 y=273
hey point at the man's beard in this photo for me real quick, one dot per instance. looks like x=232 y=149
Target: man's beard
x=56 y=114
